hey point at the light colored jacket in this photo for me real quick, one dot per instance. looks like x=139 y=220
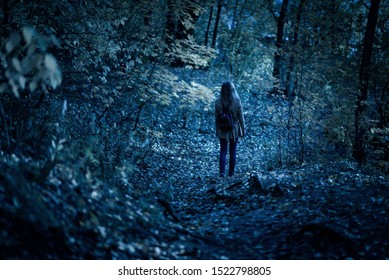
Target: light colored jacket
x=237 y=112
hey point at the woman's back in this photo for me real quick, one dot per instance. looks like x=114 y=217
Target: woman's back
x=230 y=100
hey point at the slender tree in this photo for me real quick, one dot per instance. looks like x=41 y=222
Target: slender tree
x=215 y=30
x=281 y=19
x=290 y=82
x=360 y=110
x=208 y=26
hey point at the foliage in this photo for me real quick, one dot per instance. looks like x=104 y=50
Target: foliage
x=107 y=122
x=27 y=64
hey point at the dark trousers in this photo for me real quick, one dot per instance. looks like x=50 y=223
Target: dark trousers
x=223 y=156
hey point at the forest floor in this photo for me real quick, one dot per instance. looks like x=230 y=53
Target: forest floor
x=316 y=211
x=179 y=208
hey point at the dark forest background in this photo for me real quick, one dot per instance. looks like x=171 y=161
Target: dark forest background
x=107 y=120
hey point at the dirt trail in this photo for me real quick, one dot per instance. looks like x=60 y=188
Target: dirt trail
x=314 y=212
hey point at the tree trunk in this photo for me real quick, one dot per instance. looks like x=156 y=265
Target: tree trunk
x=360 y=110
x=279 y=45
x=290 y=82
x=214 y=35
x=208 y=26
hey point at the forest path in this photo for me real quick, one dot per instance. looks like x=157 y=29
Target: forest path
x=320 y=211
x=178 y=208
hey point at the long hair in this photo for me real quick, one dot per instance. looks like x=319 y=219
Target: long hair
x=228 y=92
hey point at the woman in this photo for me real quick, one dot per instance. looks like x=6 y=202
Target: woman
x=229 y=98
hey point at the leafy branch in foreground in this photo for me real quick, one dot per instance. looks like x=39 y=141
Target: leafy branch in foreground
x=26 y=63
